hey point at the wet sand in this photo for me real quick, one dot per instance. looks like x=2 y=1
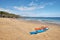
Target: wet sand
x=13 y=29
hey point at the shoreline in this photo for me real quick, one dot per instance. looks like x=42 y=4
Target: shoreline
x=14 y=29
x=43 y=22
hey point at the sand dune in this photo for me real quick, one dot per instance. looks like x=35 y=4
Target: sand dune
x=13 y=29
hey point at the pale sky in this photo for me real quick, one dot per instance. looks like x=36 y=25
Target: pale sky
x=32 y=8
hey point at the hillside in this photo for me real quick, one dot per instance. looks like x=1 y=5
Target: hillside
x=8 y=15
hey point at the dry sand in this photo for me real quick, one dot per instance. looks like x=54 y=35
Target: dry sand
x=13 y=29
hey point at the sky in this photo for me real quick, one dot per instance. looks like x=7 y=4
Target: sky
x=32 y=8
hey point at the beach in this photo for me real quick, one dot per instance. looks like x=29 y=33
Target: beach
x=14 y=29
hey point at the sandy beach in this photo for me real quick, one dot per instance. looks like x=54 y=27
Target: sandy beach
x=13 y=29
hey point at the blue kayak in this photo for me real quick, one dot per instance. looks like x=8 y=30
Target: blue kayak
x=42 y=30
x=39 y=31
x=34 y=32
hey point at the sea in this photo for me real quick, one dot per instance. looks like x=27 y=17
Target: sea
x=44 y=19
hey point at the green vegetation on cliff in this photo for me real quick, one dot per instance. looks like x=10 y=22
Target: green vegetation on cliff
x=8 y=15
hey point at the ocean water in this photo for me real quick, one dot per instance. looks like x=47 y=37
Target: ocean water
x=44 y=19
